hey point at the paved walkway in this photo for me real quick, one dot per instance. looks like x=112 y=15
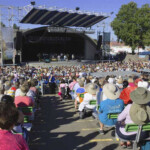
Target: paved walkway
x=57 y=127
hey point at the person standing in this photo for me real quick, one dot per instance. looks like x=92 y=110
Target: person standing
x=65 y=57
x=72 y=56
x=52 y=86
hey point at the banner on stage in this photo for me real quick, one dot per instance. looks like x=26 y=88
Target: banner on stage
x=7 y=42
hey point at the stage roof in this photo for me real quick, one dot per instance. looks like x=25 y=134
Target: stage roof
x=63 y=18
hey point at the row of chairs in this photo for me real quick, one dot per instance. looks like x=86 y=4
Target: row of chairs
x=128 y=127
x=29 y=113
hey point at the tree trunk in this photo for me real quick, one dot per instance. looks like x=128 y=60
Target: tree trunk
x=133 y=52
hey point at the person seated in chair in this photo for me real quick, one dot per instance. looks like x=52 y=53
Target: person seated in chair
x=80 y=90
x=23 y=100
x=91 y=89
x=73 y=87
x=136 y=113
x=110 y=105
x=62 y=89
x=18 y=126
x=8 y=118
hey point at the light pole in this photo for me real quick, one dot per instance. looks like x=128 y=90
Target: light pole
x=1 y=42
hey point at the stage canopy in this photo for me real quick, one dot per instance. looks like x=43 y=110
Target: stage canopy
x=63 y=18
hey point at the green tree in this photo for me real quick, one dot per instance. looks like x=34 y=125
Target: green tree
x=132 y=25
x=2 y=24
x=15 y=26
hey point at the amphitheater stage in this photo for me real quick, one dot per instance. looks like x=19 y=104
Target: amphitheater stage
x=61 y=63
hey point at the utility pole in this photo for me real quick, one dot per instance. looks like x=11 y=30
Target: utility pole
x=103 y=44
x=1 y=41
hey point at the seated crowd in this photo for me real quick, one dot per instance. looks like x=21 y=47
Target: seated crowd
x=127 y=96
x=16 y=95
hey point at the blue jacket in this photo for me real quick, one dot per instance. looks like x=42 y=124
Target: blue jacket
x=110 y=106
x=52 y=79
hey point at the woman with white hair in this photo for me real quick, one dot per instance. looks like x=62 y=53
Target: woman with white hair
x=23 y=100
x=91 y=90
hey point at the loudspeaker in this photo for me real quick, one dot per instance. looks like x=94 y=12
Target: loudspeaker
x=99 y=42
x=18 y=40
x=17 y=59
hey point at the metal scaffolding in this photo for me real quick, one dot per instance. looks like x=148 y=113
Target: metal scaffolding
x=10 y=15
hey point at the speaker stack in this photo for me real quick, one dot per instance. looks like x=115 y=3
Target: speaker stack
x=18 y=40
x=99 y=42
x=17 y=59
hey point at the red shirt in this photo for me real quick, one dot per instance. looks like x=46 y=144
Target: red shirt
x=13 y=88
x=9 y=141
x=23 y=101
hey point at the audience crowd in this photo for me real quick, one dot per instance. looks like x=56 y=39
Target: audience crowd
x=127 y=96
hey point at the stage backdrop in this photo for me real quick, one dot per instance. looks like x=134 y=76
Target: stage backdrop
x=7 y=42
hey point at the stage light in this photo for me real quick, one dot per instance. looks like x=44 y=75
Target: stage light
x=33 y=3
x=77 y=8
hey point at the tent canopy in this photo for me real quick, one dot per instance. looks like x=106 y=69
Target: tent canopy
x=62 y=18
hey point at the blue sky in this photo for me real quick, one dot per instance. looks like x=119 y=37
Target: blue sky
x=105 y=6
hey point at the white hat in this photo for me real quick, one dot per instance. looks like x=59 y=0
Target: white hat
x=111 y=91
x=92 y=88
x=111 y=80
x=93 y=80
x=143 y=84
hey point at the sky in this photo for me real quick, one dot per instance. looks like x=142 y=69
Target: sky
x=105 y=6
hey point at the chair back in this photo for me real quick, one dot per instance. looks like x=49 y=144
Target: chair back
x=134 y=127
x=81 y=97
x=93 y=102
x=112 y=115
x=27 y=111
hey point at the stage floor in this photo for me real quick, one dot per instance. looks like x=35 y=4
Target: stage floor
x=61 y=63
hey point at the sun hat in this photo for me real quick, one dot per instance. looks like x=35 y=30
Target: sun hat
x=140 y=96
x=91 y=88
x=111 y=80
x=139 y=114
x=111 y=91
x=143 y=84
x=93 y=80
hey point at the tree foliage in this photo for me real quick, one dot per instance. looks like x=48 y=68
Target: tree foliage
x=2 y=24
x=132 y=25
x=15 y=26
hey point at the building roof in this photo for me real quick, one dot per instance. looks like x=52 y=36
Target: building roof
x=115 y=43
x=62 y=18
